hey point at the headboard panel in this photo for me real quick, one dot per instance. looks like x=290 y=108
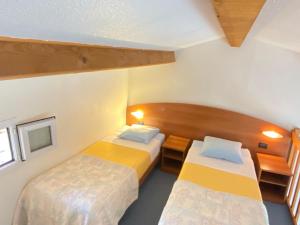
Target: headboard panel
x=196 y=122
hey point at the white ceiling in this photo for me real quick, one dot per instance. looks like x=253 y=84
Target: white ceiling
x=280 y=24
x=164 y=24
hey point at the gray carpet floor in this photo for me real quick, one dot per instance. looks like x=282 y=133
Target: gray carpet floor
x=154 y=194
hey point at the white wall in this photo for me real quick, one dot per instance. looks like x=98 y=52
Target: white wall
x=87 y=106
x=258 y=79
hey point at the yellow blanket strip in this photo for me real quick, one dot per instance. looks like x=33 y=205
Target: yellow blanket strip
x=130 y=157
x=219 y=180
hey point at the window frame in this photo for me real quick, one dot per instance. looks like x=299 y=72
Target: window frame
x=11 y=148
x=10 y=126
x=23 y=130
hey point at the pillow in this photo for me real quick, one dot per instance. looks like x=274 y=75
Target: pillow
x=222 y=149
x=139 y=133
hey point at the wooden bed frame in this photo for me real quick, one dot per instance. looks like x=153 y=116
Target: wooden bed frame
x=196 y=122
x=149 y=170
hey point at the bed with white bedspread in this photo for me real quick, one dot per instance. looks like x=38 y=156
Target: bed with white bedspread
x=93 y=188
x=215 y=192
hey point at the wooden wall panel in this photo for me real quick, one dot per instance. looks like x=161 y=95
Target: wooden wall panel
x=237 y=17
x=27 y=58
x=196 y=121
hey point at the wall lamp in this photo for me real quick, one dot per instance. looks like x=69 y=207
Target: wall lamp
x=272 y=134
x=139 y=115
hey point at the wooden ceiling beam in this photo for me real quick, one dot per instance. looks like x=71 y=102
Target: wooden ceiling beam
x=20 y=58
x=237 y=17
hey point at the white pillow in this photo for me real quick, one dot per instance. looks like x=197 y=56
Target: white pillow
x=139 y=133
x=222 y=149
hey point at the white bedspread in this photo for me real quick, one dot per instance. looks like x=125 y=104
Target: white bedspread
x=82 y=191
x=191 y=204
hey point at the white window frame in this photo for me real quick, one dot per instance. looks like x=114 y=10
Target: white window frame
x=23 y=130
x=10 y=125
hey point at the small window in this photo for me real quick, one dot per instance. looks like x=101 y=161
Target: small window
x=36 y=137
x=40 y=138
x=6 y=153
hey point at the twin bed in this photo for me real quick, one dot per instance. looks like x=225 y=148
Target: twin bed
x=212 y=191
x=98 y=185
x=93 y=188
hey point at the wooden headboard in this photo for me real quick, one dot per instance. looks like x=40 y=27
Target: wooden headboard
x=196 y=122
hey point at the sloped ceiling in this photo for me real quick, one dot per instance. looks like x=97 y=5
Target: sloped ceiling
x=279 y=24
x=163 y=24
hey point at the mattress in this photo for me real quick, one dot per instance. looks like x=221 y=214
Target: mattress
x=213 y=191
x=153 y=147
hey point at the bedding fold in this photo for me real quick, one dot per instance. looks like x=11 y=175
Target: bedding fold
x=129 y=157
x=219 y=180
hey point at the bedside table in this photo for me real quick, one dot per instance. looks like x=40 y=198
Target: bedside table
x=174 y=151
x=273 y=176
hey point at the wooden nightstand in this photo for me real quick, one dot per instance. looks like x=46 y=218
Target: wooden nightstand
x=273 y=176
x=174 y=151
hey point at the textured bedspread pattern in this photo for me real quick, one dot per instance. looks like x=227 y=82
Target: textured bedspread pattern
x=207 y=196
x=91 y=188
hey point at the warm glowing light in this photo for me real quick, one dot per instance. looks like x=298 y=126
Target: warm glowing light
x=272 y=134
x=138 y=114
